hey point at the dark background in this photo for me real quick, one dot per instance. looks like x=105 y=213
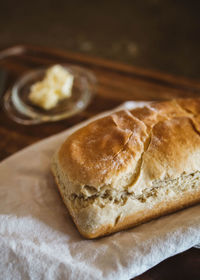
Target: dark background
x=154 y=34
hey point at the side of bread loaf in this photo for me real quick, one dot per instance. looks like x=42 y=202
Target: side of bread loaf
x=131 y=166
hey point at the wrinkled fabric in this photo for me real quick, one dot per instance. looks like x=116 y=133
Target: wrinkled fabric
x=38 y=240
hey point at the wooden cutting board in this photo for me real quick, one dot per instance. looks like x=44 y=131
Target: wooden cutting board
x=116 y=83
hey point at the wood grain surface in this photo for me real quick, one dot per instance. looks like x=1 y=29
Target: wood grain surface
x=116 y=83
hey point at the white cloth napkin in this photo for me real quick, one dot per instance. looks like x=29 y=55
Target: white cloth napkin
x=38 y=240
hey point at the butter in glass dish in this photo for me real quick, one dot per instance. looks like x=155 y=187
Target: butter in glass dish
x=56 y=86
x=50 y=94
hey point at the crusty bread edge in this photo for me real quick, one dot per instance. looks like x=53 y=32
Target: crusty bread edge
x=160 y=209
x=53 y=171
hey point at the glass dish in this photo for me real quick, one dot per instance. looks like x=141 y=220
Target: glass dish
x=21 y=110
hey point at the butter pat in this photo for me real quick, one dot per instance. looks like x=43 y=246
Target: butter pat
x=56 y=85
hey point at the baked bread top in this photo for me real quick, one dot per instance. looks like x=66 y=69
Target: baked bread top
x=131 y=149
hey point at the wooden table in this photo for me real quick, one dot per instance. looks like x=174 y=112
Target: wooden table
x=116 y=83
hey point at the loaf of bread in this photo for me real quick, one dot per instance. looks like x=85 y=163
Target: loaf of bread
x=131 y=166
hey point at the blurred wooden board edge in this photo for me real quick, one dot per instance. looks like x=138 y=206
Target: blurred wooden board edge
x=124 y=69
x=117 y=83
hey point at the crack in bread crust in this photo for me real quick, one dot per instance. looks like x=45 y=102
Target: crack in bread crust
x=110 y=196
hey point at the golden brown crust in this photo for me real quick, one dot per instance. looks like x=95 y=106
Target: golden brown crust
x=93 y=154
x=104 y=148
x=128 y=151
x=174 y=149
